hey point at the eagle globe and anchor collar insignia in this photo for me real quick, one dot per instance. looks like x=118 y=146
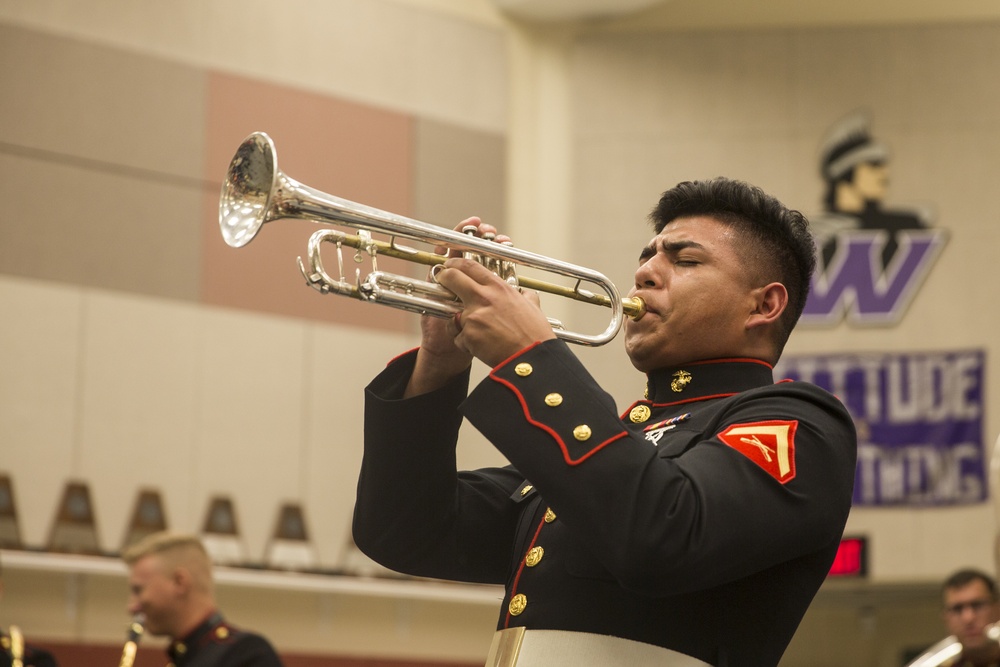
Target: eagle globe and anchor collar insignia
x=681 y=379
x=641 y=413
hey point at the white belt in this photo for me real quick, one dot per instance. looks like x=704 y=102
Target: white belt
x=562 y=648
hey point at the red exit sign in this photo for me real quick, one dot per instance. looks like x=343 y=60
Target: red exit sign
x=852 y=558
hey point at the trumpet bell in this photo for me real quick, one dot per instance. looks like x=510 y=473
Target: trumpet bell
x=246 y=194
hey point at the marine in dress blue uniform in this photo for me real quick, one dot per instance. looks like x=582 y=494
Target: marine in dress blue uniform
x=171 y=590
x=701 y=520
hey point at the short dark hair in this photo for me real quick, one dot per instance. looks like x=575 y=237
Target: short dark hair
x=966 y=576
x=778 y=246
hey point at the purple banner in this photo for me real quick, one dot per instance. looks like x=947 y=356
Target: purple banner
x=919 y=419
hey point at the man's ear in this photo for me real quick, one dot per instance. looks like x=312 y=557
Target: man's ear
x=182 y=579
x=770 y=302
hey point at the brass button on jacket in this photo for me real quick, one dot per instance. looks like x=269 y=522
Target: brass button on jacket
x=639 y=414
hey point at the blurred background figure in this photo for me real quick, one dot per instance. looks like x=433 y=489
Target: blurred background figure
x=970 y=607
x=171 y=586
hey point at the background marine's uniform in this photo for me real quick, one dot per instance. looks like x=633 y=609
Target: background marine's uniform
x=216 y=643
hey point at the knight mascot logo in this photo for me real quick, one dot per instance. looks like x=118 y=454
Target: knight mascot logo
x=872 y=258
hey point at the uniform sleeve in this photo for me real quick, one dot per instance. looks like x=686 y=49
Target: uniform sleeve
x=414 y=512
x=678 y=518
x=252 y=650
x=36 y=657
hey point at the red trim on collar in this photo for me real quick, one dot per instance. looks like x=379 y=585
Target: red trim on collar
x=680 y=402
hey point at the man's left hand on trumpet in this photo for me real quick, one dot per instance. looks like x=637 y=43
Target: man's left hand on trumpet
x=497 y=320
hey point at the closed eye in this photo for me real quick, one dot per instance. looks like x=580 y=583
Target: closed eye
x=682 y=253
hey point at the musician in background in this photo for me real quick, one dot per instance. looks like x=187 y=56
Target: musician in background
x=692 y=530
x=171 y=586
x=13 y=646
x=970 y=606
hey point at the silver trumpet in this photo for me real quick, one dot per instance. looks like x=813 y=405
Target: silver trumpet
x=948 y=648
x=256 y=192
x=132 y=637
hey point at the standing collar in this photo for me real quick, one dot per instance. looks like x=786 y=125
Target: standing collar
x=705 y=379
x=180 y=647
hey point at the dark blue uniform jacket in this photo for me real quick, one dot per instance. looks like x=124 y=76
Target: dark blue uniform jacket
x=703 y=519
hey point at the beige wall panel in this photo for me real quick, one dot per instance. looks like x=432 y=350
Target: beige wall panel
x=80 y=101
x=96 y=228
x=391 y=54
x=248 y=440
x=40 y=344
x=139 y=415
x=342 y=148
x=704 y=86
x=458 y=173
x=913 y=78
x=42 y=605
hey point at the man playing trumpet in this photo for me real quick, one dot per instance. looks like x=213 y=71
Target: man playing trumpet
x=694 y=528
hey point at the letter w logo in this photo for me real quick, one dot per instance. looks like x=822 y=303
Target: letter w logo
x=855 y=285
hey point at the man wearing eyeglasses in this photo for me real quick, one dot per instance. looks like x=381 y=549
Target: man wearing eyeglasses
x=970 y=606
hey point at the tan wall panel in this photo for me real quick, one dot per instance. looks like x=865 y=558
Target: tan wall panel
x=140 y=408
x=40 y=348
x=96 y=228
x=248 y=437
x=345 y=149
x=458 y=173
x=119 y=109
x=418 y=59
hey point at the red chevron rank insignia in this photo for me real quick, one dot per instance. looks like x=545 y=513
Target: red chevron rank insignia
x=769 y=444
